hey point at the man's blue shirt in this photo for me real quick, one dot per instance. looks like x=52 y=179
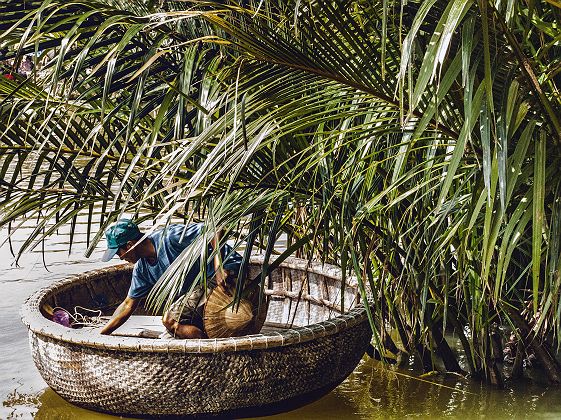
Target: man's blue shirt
x=169 y=243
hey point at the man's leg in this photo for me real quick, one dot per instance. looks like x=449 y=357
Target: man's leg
x=181 y=330
x=184 y=319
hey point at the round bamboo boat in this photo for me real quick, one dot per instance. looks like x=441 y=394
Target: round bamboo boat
x=309 y=345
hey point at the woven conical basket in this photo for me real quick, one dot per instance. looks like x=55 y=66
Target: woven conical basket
x=222 y=319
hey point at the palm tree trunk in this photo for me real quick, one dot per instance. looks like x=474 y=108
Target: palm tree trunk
x=444 y=351
x=517 y=366
x=538 y=346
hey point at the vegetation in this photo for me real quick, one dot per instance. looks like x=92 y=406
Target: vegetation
x=415 y=144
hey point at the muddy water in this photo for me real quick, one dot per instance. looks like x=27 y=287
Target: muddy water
x=371 y=392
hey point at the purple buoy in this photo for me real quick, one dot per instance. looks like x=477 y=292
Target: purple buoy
x=60 y=316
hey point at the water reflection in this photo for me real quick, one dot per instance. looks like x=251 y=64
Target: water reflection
x=53 y=407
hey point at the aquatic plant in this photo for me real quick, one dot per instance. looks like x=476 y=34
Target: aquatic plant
x=412 y=143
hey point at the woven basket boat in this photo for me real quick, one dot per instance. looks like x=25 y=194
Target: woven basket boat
x=308 y=346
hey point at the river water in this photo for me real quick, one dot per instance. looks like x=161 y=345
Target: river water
x=371 y=392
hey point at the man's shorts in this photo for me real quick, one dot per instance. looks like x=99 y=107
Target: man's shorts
x=188 y=309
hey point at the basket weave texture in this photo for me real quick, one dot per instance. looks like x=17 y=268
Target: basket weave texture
x=147 y=377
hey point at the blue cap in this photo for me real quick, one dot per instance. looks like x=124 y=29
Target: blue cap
x=119 y=234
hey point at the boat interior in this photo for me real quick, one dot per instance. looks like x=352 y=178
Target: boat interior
x=294 y=298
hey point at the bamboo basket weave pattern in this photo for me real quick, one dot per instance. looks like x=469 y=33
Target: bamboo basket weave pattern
x=230 y=376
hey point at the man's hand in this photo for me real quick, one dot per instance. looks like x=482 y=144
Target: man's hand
x=227 y=283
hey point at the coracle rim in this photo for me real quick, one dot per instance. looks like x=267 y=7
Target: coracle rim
x=37 y=324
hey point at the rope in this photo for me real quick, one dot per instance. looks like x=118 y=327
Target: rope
x=81 y=320
x=417 y=378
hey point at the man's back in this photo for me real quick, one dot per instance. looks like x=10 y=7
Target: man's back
x=169 y=244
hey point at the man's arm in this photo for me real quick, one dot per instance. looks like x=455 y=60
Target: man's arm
x=121 y=314
x=220 y=274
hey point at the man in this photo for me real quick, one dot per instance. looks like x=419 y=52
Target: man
x=151 y=257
